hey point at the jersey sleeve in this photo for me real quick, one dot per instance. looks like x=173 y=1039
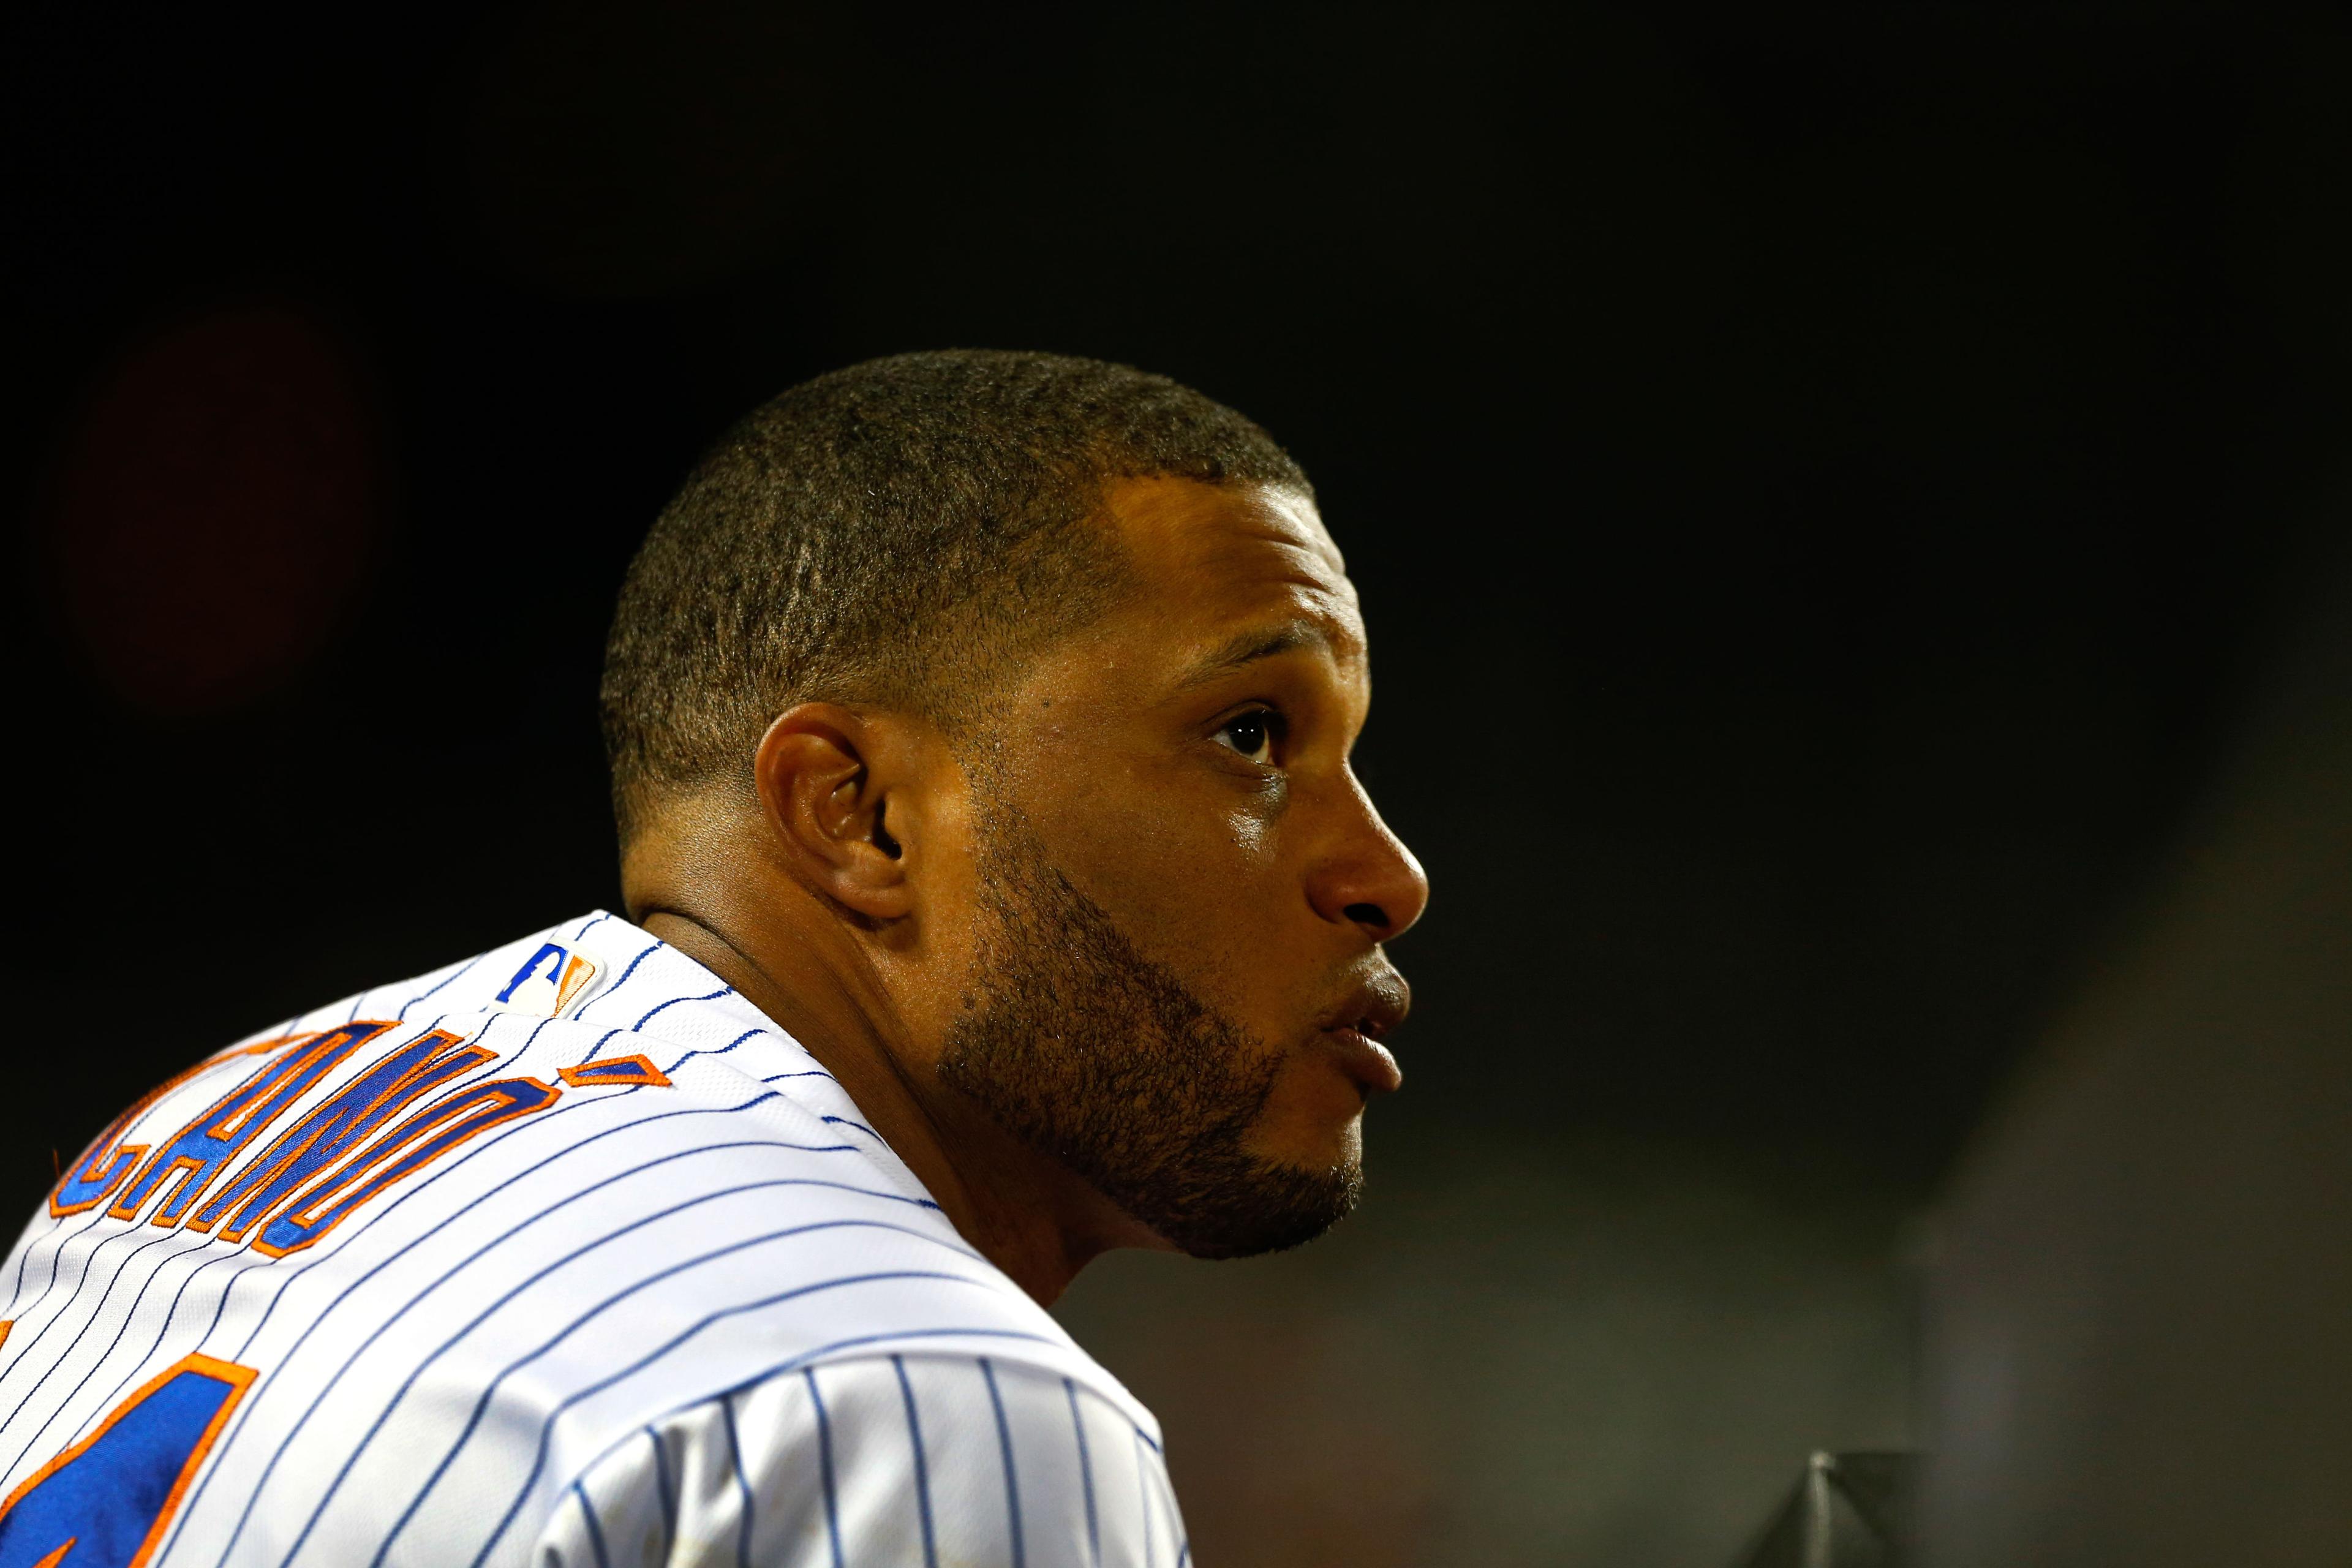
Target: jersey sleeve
x=924 y=1458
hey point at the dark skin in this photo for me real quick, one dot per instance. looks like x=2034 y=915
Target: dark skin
x=1184 y=763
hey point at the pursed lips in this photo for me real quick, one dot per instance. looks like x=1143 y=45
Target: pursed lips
x=1358 y=1026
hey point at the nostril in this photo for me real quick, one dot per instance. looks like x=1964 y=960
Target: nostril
x=1367 y=915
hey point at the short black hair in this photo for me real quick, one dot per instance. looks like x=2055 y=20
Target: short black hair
x=901 y=532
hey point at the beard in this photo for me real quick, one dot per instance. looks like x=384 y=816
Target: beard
x=1097 y=1056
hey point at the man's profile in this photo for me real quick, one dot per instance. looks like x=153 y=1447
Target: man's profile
x=998 y=893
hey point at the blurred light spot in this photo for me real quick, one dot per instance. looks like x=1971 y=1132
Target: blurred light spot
x=624 y=147
x=215 y=508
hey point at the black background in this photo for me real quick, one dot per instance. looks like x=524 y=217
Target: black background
x=1820 y=480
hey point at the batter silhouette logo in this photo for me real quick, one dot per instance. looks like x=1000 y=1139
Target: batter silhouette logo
x=550 y=981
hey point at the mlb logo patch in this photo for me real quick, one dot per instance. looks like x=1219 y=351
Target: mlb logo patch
x=550 y=981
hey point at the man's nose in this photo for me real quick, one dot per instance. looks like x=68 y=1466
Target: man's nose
x=1370 y=880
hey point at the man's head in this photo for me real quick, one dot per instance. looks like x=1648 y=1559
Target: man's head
x=1030 y=683
x=898 y=532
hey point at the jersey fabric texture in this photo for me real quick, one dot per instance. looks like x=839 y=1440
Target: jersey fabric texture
x=564 y=1254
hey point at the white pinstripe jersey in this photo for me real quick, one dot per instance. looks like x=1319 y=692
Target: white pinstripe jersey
x=563 y=1255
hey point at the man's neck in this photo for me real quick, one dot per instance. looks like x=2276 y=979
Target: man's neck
x=1023 y=1211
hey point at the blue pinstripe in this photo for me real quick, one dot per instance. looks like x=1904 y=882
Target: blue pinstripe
x=1004 y=1446
x=112 y=1345
x=250 y=1261
x=638 y=1027
x=381 y=1329
x=269 y=1380
x=419 y=1188
x=655 y=946
x=57 y=1266
x=781 y=1369
x=1168 y=1501
x=64 y=1238
x=170 y=1315
x=668 y=1498
x=1143 y=1504
x=31 y=1244
x=93 y=1252
x=280 y=1274
x=284 y=1276
x=419 y=1371
x=105 y=1295
x=24 y=1357
x=824 y=1465
x=596 y=1530
x=25 y=1257
x=280 y=1378
x=742 y=1481
x=722 y=1050
x=288 y=1274
x=922 y=1466
x=482 y=1405
x=466 y=1157
x=1086 y=1476
x=1160 y=1503
x=462 y=970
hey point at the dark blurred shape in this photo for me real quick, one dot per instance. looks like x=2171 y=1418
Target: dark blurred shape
x=215 y=508
x=2294 y=229
x=2141 y=1330
x=624 y=147
x=1849 y=1510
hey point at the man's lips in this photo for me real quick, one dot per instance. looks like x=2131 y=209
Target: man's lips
x=1357 y=1025
x=1365 y=1060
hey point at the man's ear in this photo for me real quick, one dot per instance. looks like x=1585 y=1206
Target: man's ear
x=826 y=776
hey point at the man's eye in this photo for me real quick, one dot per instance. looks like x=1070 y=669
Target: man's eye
x=1251 y=734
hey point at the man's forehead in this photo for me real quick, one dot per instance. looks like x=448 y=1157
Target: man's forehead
x=1220 y=578
x=1231 y=550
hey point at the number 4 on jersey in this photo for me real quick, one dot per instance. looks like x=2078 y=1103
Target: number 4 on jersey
x=106 y=1502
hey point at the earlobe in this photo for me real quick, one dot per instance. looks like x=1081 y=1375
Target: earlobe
x=823 y=777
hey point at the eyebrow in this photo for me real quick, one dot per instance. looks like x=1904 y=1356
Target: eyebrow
x=1247 y=647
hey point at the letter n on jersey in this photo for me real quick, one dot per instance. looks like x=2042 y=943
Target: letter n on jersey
x=317 y=1171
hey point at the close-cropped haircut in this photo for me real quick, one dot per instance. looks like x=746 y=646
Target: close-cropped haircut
x=902 y=533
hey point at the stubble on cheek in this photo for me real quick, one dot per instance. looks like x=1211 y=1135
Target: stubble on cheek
x=1094 y=1053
